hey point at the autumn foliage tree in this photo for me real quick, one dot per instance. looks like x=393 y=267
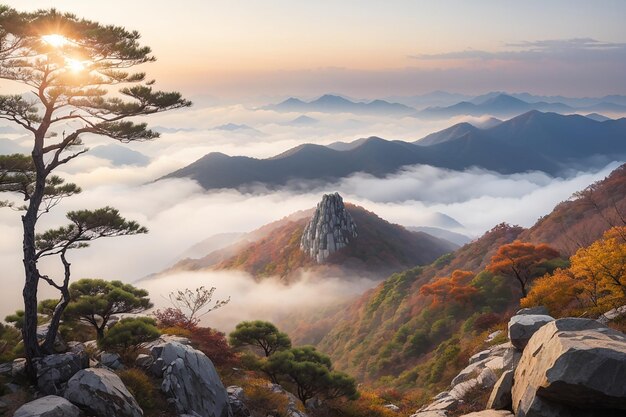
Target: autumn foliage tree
x=594 y=283
x=522 y=261
x=67 y=65
x=455 y=287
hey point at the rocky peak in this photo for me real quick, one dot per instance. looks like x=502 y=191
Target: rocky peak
x=330 y=229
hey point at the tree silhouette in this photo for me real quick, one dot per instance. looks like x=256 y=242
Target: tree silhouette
x=68 y=65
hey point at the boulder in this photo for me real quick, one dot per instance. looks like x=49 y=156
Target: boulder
x=102 y=393
x=192 y=383
x=292 y=401
x=18 y=368
x=522 y=327
x=5 y=368
x=111 y=360
x=500 y=397
x=155 y=347
x=157 y=368
x=53 y=371
x=144 y=361
x=510 y=358
x=539 y=310
x=237 y=399
x=49 y=406
x=571 y=364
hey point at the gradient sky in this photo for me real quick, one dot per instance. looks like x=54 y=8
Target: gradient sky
x=369 y=48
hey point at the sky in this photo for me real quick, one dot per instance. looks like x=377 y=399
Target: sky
x=372 y=48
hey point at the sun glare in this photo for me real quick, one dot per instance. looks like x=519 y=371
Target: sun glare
x=55 y=40
x=75 y=65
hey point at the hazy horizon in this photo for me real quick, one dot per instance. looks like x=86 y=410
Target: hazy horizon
x=369 y=50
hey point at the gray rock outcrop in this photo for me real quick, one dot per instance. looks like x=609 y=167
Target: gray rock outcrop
x=192 y=383
x=569 y=366
x=237 y=401
x=523 y=326
x=500 y=397
x=53 y=371
x=49 y=406
x=102 y=393
x=292 y=409
x=330 y=229
x=111 y=360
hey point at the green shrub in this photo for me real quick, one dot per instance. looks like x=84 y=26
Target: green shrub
x=129 y=334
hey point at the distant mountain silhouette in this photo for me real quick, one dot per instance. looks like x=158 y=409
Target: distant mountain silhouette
x=534 y=141
x=335 y=104
x=500 y=105
x=119 y=155
x=456 y=238
x=303 y=120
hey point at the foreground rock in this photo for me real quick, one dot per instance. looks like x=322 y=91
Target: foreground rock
x=111 y=360
x=500 y=397
x=192 y=383
x=292 y=409
x=480 y=373
x=102 y=393
x=53 y=371
x=49 y=406
x=523 y=326
x=237 y=401
x=571 y=365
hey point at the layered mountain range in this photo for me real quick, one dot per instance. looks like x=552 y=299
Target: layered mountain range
x=445 y=105
x=534 y=141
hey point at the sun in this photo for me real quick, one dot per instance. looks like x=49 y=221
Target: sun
x=75 y=65
x=55 y=40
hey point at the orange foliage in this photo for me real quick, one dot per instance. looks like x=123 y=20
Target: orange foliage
x=454 y=287
x=595 y=282
x=519 y=259
x=560 y=293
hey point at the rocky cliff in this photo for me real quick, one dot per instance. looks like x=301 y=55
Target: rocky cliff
x=330 y=229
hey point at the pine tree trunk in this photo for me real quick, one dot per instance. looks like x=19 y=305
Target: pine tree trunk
x=31 y=281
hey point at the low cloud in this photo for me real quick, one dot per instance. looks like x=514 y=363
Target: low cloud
x=251 y=300
x=179 y=213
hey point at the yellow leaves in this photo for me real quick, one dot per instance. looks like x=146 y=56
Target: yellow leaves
x=594 y=282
